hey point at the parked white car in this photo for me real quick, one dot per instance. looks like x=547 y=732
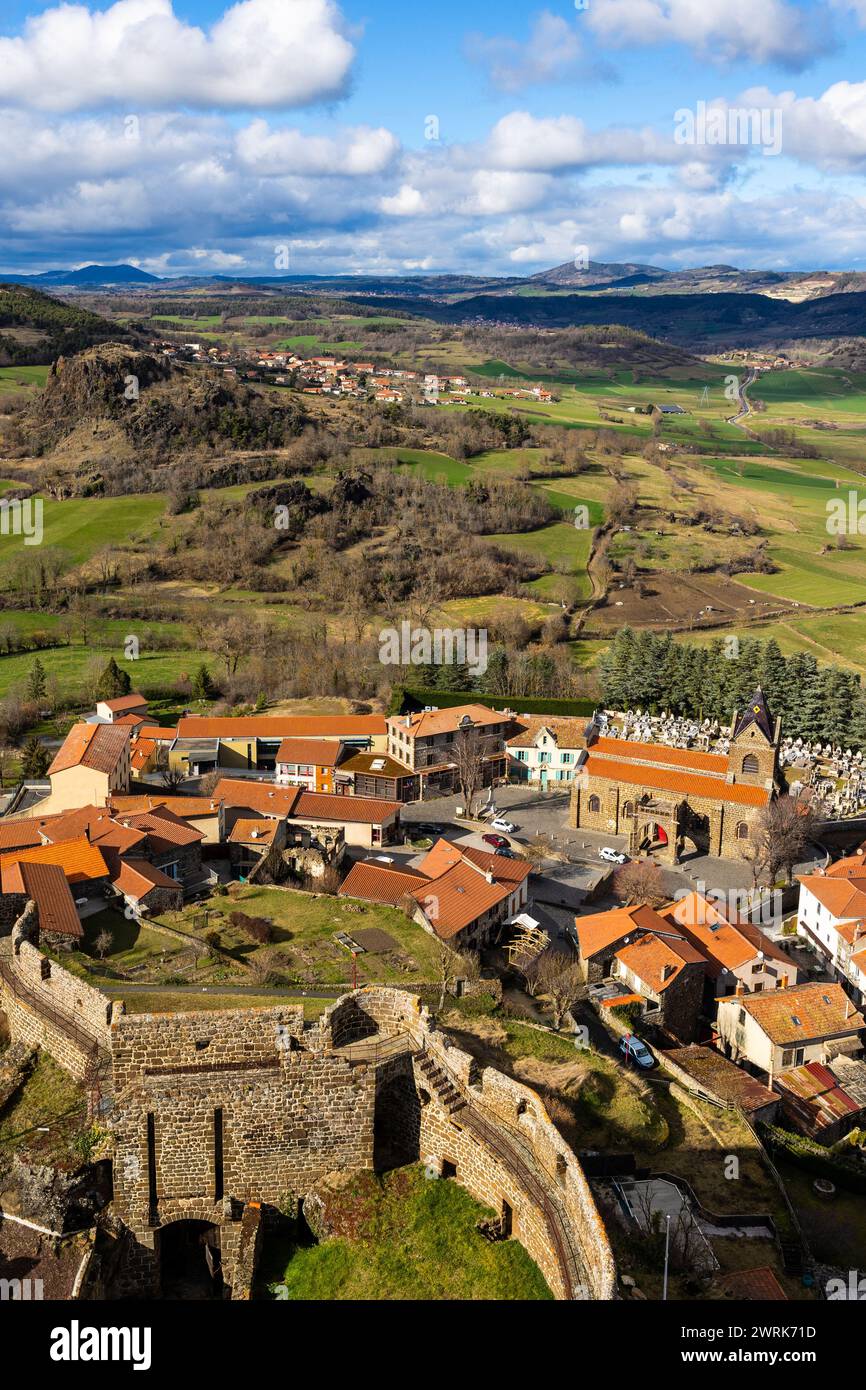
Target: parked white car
x=506 y=826
x=612 y=856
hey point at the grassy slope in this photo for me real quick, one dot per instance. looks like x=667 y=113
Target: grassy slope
x=414 y=1239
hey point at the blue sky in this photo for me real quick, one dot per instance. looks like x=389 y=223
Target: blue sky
x=204 y=136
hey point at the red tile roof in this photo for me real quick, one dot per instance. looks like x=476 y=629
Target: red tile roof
x=97 y=746
x=657 y=961
x=137 y=877
x=823 y=1010
x=320 y=752
x=664 y=779
x=252 y=832
x=445 y=721
x=379 y=883
x=47 y=886
x=602 y=929
x=691 y=758
x=122 y=702
x=79 y=859
x=284 y=726
x=366 y=810
x=263 y=797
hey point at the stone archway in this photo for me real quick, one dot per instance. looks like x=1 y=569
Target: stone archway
x=190 y=1260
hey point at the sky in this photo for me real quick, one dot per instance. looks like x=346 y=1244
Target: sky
x=366 y=137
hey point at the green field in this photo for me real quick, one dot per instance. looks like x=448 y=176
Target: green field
x=82 y=526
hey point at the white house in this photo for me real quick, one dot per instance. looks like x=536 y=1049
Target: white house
x=832 y=915
x=548 y=750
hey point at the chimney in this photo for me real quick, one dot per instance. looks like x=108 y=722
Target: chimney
x=667 y=971
x=741 y=989
x=489 y=876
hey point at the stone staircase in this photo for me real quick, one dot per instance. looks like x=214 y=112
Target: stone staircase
x=446 y=1092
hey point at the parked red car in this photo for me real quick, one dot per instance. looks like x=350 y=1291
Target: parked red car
x=497 y=841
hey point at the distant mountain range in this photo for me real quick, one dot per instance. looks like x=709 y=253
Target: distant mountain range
x=90 y=275
x=596 y=278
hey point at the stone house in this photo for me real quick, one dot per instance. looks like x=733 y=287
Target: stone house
x=769 y=1033
x=668 y=973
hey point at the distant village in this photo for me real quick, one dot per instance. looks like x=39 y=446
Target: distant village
x=332 y=376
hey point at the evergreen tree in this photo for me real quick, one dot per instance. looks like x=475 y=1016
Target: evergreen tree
x=36 y=684
x=202 y=685
x=35 y=759
x=113 y=682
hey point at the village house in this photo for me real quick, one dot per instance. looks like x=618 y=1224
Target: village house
x=91 y=764
x=831 y=914
x=461 y=895
x=546 y=750
x=310 y=763
x=770 y=1033
x=738 y=954
x=667 y=974
x=251 y=743
x=364 y=822
x=111 y=711
x=427 y=744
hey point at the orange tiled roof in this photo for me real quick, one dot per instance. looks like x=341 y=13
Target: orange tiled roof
x=264 y=797
x=180 y=805
x=354 y=809
x=156 y=732
x=568 y=733
x=842 y=897
x=623 y=748
x=379 y=883
x=321 y=752
x=252 y=832
x=444 y=721
x=444 y=855
x=727 y=944
x=650 y=957
x=47 y=886
x=97 y=746
x=131 y=701
x=602 y=929
x=283 y=726
x=665 y=779
x=458 y=898
x=137 y=877
x=79 y=859
x=823 y=1010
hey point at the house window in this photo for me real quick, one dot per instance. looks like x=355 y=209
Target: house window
x=750 y=763
x=628 y=808
x=173 y=870
x=594 y=803
x=566 y=757
x=742 y=831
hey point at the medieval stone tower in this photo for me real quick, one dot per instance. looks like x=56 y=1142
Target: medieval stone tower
x=754 y=752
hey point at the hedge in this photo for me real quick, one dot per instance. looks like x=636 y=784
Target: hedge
x=404 y=701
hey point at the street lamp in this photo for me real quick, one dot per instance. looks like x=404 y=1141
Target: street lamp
x=667 y=1253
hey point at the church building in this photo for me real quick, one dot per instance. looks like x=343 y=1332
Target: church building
x=677 y=800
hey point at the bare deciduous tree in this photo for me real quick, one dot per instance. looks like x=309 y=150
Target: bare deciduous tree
x=640 y=882
x=468 y=757
x=559 y=977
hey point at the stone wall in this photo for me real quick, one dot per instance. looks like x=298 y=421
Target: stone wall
x=506 y=1150
x=48 y=1007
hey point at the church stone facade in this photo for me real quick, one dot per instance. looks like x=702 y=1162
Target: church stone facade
x=674 y=800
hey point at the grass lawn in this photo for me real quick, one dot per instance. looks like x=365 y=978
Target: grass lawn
x=304 y=928
x=80 y=526
x=153 y=671
x=185 y=1002
x=48 y=1098
x=835 y=1230
x=408 y=1238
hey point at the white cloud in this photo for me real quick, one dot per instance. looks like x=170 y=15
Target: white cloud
x=551 y=53
x=360 y=151
x=720 y=31
x=408 y=202
x=523 y=141
x=139 y=55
